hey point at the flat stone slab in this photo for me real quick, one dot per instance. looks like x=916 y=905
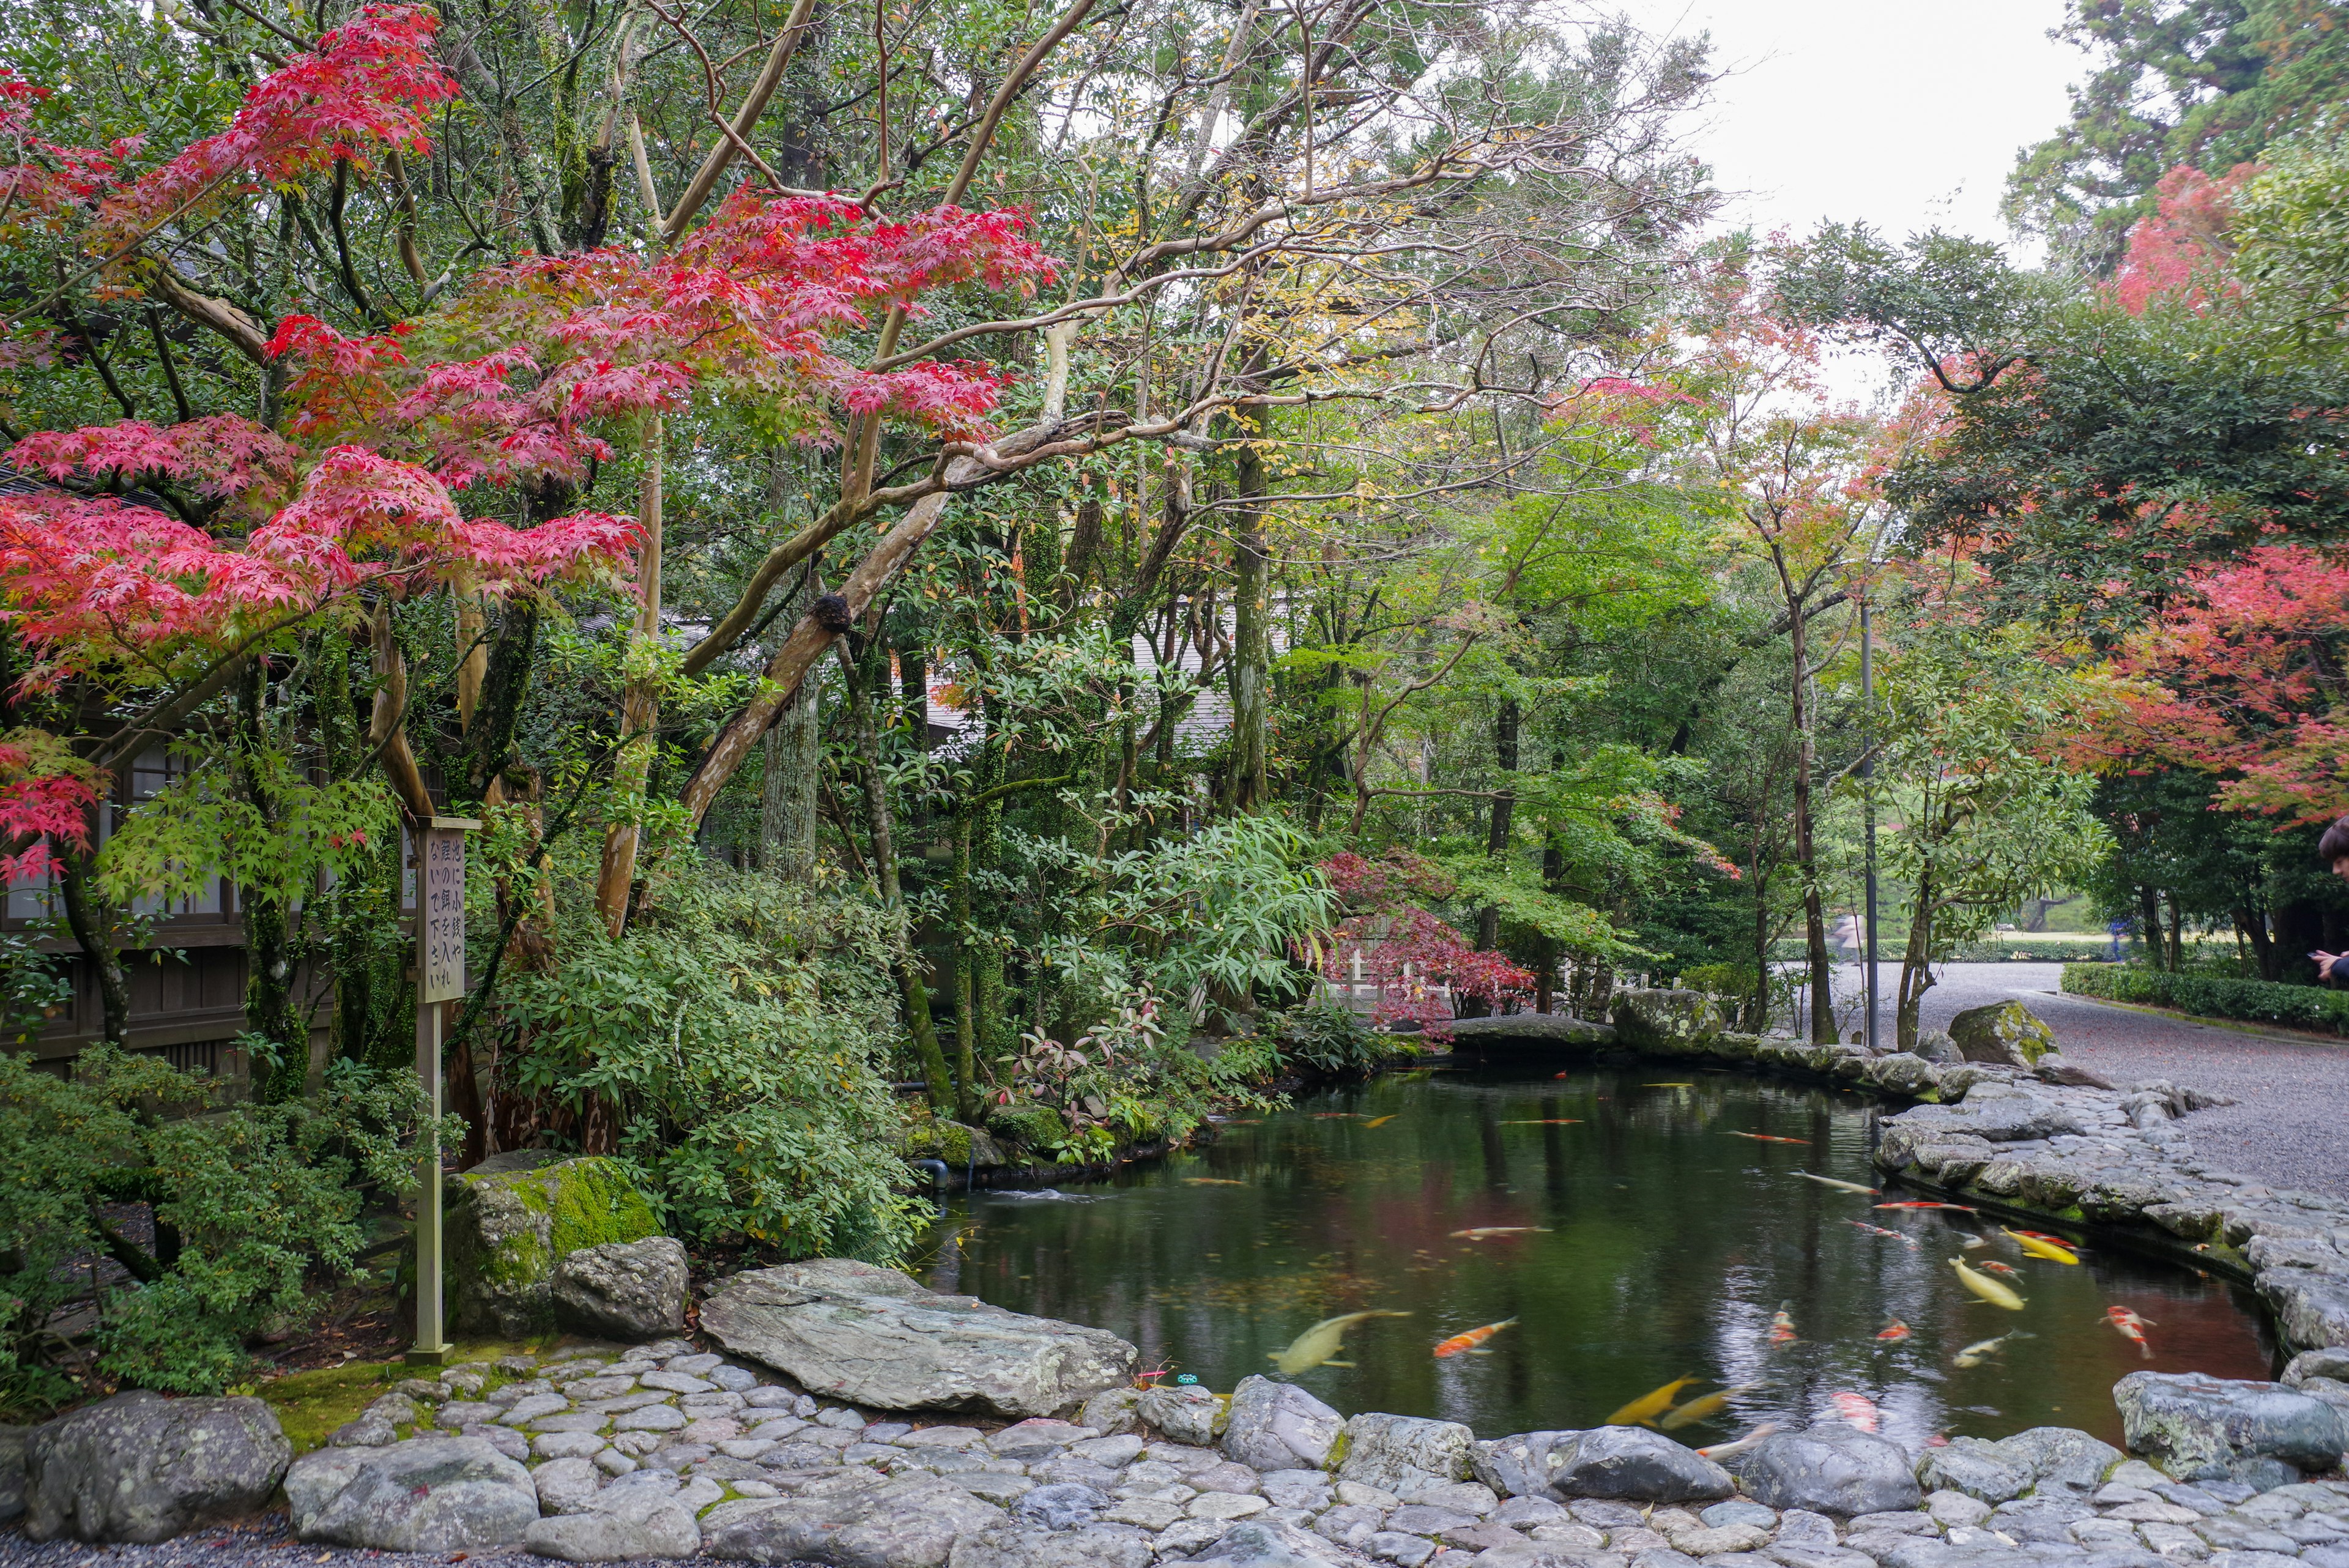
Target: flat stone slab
x=876 y=1338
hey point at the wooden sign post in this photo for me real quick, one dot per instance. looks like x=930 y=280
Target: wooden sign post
x=439 y=980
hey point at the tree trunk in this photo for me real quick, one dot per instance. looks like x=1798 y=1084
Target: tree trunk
x=89 y=920
x=2176 y=935
x=1251 y=622
x=794 y=767
x=911 y=985
x=1916 y=967
x=269 y=1006
x=1814 y=922
x=2149 y=904
x=639 y=706
x=1505 y=804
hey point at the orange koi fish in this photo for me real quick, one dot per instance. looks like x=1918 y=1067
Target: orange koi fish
x=1857 y=1409
x=1782 y=1325
x=1765 y=1138
x=1470 y=1339
x=2009 y=1270
x=1895 y=1331
x=2129 y=1325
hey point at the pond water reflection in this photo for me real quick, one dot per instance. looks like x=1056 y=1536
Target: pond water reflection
x=1637 y=1241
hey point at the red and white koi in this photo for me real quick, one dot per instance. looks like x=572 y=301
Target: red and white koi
x=1894 y=1331
x=1856 y=1409
x=2129 y=1325
x=1911 y=1241
x=1473 y=1337
x=1782 y=1325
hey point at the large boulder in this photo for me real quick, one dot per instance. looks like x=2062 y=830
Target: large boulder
x=1530 y=1029
x=2190 y=1423
x=12 y=1470
x=141 y=1468
x=1183 y=1413
x=427 y=1494
x=1667 y=1021
x=1397 y=1452
x=2059 y=1458
x=1974 y=1467
x=2006 y=1032
x=875 y=1338
x=622 y=1524
x=1831 y=1469
x=1604 y=1462
x=514 y=1218
x=1279 y=1427
x=631 y=1291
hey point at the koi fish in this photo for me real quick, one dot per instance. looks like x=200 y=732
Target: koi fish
x=1895 y=1331
x=1719 y=1451
x=1643 y=1411
x=1970 y=1242
x=1782 y=1325
x=1858 y=1410
x=1765 y=1138
x=2041 y=1247
x=1915 y=1204
x=1471 y=1339
x=1974 y=1355
x=1702 y=1409
x=1316 y=1345
x=1987 y=1289
x=2129 y=1325
x=1545 y=1122
x=1382 y=1121
x=1486 y=1232
x=1211 y=1182
x=1881 y=1230
x=1995 y=1267
x=1841 y=1186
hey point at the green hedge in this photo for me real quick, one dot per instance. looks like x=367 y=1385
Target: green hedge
x=2211 y=996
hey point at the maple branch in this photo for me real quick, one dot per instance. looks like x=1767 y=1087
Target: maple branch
x=169 y=288
x=746 y=119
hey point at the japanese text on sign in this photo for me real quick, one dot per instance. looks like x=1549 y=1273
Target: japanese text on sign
x=440 y=916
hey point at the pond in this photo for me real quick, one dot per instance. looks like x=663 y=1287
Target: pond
x=1639 y=1226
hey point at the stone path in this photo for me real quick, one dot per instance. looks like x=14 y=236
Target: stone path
x=771 y=1476
x=2287 y=1125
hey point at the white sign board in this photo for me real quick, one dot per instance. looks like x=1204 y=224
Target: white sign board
x=440 y=916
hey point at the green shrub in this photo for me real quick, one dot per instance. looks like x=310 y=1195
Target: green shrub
x=261 y=1200
x=739 y=1035
x=1331 y=1040
x=2214 y=996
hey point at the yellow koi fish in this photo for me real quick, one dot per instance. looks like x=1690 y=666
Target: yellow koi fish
x=1987 y=1289
x=1643 y=1411
x=2040 y=1248
x=1702 y=1408
x=1316 y=1345
x=1981 y=1350
x=1382 y=1121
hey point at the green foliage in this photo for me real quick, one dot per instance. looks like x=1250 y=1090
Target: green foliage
x=200 y=830
x=264 y=1199
x=2214 y=996
x=738 y=1035
x=1332 y=1040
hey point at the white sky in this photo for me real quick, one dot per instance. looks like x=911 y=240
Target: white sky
x=1904 y=114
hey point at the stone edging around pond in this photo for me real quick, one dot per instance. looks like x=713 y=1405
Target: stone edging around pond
x=671 y=1452
x=2050 y=1142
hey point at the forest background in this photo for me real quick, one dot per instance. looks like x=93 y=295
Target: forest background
x=969 y=545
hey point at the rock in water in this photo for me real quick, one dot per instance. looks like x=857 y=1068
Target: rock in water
x=2005 y=1031
x=140 y=1468
x=1667 y=1021
x=1278 y=1427
x=1831 y=1469
x=875 y=1338
x=1395 y=1453
x=1193 y=1416
x=630 y=1291
x=514 y=1218
x=427 y=1494
x=2188 y=1420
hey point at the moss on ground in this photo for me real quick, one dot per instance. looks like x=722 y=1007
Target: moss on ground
x=311 y=1404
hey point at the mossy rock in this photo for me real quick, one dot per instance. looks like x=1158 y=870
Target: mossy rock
x=1030 y=1127
x=959 y=1146
x=512 y=1219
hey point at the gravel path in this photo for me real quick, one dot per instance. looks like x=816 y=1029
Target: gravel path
x=2290 y=1126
